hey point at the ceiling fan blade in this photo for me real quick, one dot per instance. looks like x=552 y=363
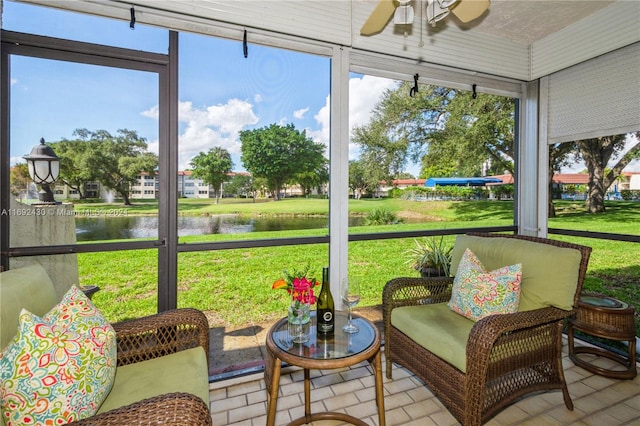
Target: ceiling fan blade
x=378 y=18
x=468 y=10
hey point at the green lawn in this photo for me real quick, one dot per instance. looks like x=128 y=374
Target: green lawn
x=234 y=286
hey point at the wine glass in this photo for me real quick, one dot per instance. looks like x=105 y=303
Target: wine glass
x=350 y=294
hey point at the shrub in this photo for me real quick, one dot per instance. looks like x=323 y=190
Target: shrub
x=381 y=217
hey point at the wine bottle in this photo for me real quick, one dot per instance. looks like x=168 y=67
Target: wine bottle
x=324 y=305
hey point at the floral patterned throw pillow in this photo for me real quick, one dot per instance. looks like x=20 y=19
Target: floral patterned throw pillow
x=59 y=368
x=477 y=293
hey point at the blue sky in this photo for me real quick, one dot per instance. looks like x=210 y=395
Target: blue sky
x=220 y=91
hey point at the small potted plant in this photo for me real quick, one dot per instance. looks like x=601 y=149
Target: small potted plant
x=431 y=256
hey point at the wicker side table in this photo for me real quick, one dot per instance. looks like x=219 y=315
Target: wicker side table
x=606 y=318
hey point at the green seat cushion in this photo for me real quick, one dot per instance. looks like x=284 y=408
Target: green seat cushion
x=437 y=329
x=27 y=288
x=184 y=371
x=549 y=273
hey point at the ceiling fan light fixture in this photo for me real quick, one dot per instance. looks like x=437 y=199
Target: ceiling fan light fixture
x=446 y=4
x=435 y=12
x=404 y=14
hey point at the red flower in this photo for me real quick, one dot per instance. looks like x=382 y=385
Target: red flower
x=298 y=286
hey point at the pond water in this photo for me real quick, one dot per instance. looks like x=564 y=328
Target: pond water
x=127 y=227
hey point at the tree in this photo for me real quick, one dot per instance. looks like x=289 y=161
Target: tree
x=313 y=178
x=279 y=154
x=19 y=179
x=118 y=160
x=240 y=185
x=75 y=158
x=559 y=156
x=443 y=128
x=400 y=127
x=405 y=175
x=437 y=170
x=212 y=168
x=360 y=181
x=596 y=154
x=476 y=132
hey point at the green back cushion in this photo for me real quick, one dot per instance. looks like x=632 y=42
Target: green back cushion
x=184 y=371
x=549 y=273
x=437 y=329
x=29 y=288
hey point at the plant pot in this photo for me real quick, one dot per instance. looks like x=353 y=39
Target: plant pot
x=432 y=272
x=89 y=290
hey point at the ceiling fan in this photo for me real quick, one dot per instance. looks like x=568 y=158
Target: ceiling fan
x=435 y=10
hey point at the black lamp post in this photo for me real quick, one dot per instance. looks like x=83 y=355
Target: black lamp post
x=44 y=168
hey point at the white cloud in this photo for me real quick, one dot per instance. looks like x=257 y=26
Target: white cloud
x=299 y=114
x=14 y=81
x=633 y=166
x=324 y=120
x=216 y=125
x=16 y=160
x=363 y=94
x=257 y=98
x=152 y=112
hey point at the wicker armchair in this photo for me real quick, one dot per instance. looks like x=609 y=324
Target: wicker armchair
x=507 y=356
x=151 y=337
x=175 y=341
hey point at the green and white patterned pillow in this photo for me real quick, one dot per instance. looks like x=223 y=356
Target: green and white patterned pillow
x=59 y=368
x=477 y=293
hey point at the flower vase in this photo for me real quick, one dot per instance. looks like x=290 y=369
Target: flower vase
x=299 y=315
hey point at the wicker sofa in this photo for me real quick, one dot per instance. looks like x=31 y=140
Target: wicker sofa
x=162 y=360
x=478 y=368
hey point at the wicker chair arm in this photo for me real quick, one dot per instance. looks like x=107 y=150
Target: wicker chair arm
x=411 y=291
x=157 y=335
x=407 y=291
x=490 y=328
x=175 y=409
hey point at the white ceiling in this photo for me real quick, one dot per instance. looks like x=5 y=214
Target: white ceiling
x=526 y=21
x=522 y=39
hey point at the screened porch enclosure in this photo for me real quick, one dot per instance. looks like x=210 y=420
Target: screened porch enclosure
x=569 y=84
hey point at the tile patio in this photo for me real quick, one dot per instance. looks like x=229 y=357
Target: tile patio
x=598 y=400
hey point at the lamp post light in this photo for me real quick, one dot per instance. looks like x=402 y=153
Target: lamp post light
x=44 y=168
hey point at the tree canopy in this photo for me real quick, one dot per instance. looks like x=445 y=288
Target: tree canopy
x=596 y=154
x=240 y=186
x=447 y=130
x=360 y=181
x=212 y=167
x=280 y=154
x=560 y=155
x=19 y=179
x=75 y=158
x=113 y=160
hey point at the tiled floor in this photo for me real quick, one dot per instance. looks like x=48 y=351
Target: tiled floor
x=597 y=400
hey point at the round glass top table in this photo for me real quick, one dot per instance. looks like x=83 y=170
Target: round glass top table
x=323 y=353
